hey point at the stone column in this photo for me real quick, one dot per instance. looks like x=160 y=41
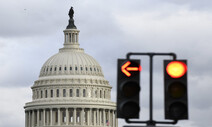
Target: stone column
x=44 y=117
x=29 y=120
x=38 y=117
x=74 y=116
x=51 y=117
x=104 y=118
x=91 y=118
x=58 y=117
x=47 y=117
x=88 y=118
x=97 y=119
x=114 y=118
x=100 y=117
x=26 y=119
x=94 y=114
x=109 y=117
x=33 y=118
x=67 y=116
x=82 y=116
x=77 y=37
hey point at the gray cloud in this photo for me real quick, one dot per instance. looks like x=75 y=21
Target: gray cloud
x=31 y=31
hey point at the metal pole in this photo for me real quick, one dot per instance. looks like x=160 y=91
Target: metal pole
x=150 y=89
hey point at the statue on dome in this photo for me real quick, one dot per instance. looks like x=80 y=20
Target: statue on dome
x=71 y=20
x=71 y=13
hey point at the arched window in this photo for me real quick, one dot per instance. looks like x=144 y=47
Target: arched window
x=51 y=93
x=64 y=92
x=46 y=93
x=77 y=91
x=96 y=93
x=58 y=93
x=37 y=94
x=41 y=94
x=71 y=93
x=84 y=92
x=100 y=93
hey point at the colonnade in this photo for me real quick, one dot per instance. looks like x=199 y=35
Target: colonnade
x=70 y=116
x=72 y=37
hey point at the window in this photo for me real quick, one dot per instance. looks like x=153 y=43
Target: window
x=41 y=94
x=86 y=69
x=91 y=69
x=60 y=69
x=70 y=68
x=50 y=69
x=100 y=94
x=46 y=69
x=58 y=93
x=94 y=69
x=64 y=92
x=65 y=68
x=95 y=93
x=51 y=93
x=77 y=92
x=81 y=68
x=37 y=94
x=55 y=68
x=71 y=93
x=46 y=93
x=76 y=68
x=84 y=93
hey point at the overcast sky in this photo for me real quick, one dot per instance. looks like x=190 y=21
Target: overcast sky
x=32 y=30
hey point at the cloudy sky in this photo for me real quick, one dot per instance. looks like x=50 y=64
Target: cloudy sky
x=32 y=30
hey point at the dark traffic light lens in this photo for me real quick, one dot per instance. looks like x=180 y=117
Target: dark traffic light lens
x=130 y=109
x=130 y=89
x=177 y=110
x=177 y=90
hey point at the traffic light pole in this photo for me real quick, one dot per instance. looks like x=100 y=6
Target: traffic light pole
x=151 y=122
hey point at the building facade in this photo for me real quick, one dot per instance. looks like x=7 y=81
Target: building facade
x=71 y=89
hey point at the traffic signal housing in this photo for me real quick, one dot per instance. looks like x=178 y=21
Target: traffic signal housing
x=128 y=88
x=175 y=81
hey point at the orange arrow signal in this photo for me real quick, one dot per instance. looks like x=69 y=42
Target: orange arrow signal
x=125 y=69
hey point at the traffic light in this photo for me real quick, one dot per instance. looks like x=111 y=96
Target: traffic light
x=176 y=98
x=128 y=88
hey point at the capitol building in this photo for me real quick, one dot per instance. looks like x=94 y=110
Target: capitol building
x=71 y=90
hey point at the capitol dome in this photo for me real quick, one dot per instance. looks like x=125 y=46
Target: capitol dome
x=71 y=62
x=71 y=89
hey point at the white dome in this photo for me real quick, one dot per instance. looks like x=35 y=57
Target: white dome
x=71 y=62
